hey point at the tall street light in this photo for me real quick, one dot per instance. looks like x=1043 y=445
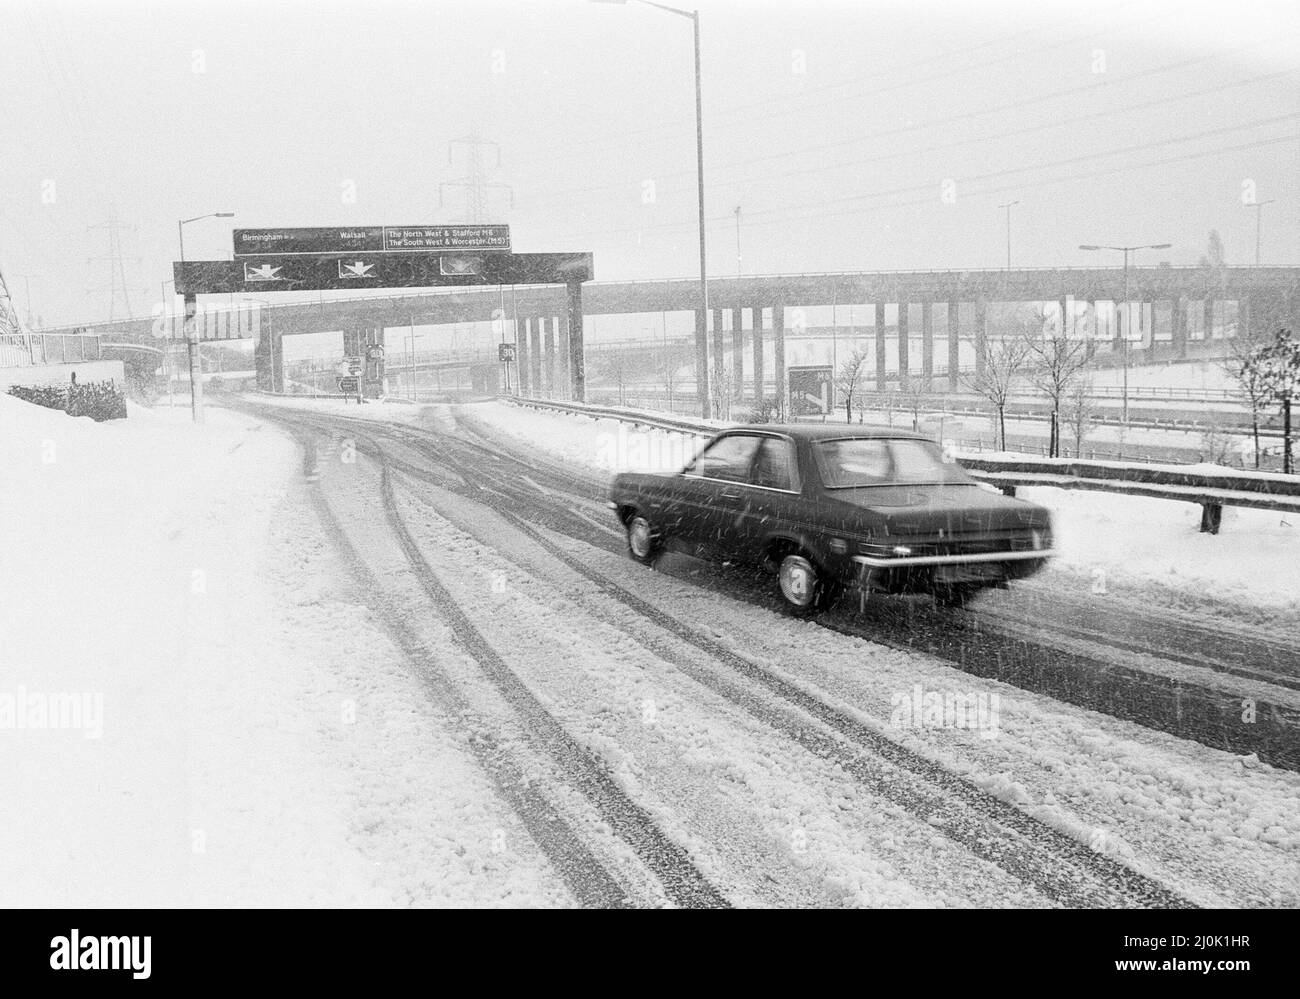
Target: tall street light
x=1258 y=205
x=701 y=334
x=1007 y=206
x=180 y=226
x=196 y=365
x=1126 y=250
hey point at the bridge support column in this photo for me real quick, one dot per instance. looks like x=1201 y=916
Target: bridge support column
x=564 y=383
x=548 y=334
x=757 y=313
x=882 y=351
x=535 y=357
x=1208 y=318
x=577 y=353
x=264 y=361
x=702 y=362
x=954 y=345
x=522 y=366
x=1064 y=306
x=927 y=340
x=904 y=345
x=778 y=363
x=1178 y=326
x=737 y=353
x=1119 y=332
x=981 y=335
x=1094 y=327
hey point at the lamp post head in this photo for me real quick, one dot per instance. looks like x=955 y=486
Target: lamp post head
x=1088 y=246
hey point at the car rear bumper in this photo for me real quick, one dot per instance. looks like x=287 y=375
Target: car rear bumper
x=911 y=561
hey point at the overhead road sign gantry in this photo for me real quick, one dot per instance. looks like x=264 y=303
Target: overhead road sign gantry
x=373 y=239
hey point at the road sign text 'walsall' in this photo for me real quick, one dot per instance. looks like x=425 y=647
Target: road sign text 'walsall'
x=372 y=239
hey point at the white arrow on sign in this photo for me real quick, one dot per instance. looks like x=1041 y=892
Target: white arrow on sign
x=823 y=400
x=360 y=269
x=263 y=273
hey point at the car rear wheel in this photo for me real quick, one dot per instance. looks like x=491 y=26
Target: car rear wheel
x=643 y=541
x=802 y=587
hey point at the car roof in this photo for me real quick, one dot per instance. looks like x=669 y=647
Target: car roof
x=826 y=431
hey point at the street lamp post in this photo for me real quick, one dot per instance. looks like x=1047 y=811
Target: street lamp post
x=191 y=334
x=738 y=258
x=1258 y=205
x=701 y=334
x=1007 y=206
x=1124 y=326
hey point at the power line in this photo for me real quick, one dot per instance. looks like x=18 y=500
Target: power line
x=930 y=199
x=568 y=193
x=734 y=116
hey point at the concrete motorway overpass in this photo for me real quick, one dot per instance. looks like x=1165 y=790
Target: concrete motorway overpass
x=1179 y=300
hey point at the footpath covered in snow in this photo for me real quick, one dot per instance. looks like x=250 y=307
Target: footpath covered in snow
x=194 y=709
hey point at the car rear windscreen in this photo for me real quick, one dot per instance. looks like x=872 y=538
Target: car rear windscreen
x=884 y=461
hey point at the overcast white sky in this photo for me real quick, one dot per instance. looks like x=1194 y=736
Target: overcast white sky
x=832 y=125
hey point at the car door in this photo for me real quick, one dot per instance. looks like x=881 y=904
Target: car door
x=771 y=488
x=712 y=489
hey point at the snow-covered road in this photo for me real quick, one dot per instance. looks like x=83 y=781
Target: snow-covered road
x=425 y=674
x=685 y=692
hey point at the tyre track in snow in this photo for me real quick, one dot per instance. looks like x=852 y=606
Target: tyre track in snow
x=666 y=859
x=1055 y=864
x=591 y=884
x=1029 y=653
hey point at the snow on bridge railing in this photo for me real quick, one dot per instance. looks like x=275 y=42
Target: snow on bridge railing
x=1210 y=486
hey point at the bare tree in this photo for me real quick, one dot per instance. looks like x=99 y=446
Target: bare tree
x=1003 y=361
x=915 y=391
x=1243 y=364
x=1079 y=412
x=1279 y=363
x=1058 y=355
x=848 y=379
x=615 y=369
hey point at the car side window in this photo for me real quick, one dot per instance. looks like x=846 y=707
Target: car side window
x=773 y=466
x=727 y=458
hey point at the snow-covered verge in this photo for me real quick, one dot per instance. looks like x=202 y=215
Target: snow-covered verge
x=1104 y=537
x=194 y=707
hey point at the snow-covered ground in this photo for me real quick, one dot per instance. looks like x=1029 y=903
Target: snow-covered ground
x=194 y=708
x=1121 y=539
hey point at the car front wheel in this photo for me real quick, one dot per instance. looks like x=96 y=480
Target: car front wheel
x=643 y=542
x=803 y=589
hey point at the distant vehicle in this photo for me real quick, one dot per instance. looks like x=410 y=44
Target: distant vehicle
x=825 y=508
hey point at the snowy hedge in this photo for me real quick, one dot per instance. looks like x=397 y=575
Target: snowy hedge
x=98 y=400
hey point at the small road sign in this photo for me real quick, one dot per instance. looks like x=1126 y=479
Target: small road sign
x=811 y=389
x=375 y=352
x=506 y=353
x=349 y=384
x=355 y=364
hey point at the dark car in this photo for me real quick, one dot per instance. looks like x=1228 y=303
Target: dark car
x=827 y=507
